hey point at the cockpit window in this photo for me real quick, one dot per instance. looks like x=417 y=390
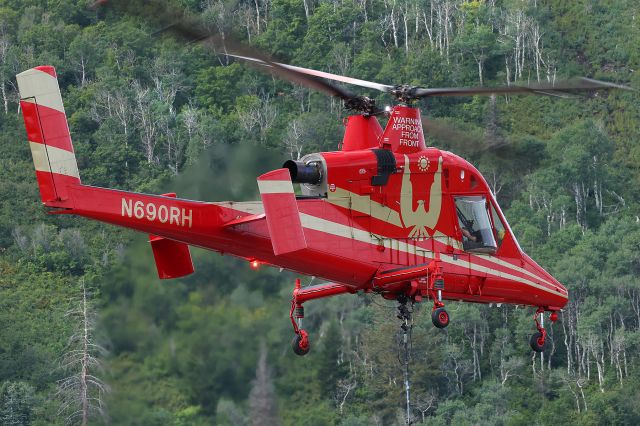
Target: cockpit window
x=475 y=224
x=498 y=226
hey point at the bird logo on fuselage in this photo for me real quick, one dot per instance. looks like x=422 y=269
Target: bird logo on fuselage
x=420 y=219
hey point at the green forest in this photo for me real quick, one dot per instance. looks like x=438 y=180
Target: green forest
x=149 y=112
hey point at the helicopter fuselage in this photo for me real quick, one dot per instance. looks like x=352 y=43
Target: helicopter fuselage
x=385 y=214
x=355 y=230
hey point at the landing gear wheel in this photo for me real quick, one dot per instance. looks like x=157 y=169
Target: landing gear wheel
x=538 y=342
x=440 y=318
x=300 y=343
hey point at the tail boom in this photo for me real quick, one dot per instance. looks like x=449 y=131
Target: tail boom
x=215 y=226
x=160 y=215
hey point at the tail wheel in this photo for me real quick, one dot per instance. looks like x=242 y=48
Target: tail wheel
x=538 y=342
x=440 y=318
x=300 y=343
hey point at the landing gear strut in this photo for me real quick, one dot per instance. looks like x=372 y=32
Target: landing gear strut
x=538 y=341
x=300 y=343
x=439 y=315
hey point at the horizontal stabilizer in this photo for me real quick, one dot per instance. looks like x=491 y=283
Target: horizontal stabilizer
x=281 y=210
x=173 y=259
x=244 y=219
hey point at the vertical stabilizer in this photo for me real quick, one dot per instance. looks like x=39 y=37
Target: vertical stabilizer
x=281 y=211
x=48 y=135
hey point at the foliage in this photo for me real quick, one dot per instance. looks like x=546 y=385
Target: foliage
x=147 y=113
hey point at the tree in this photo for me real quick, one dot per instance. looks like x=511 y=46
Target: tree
x=256 y=113
x=262 y=398
x=82 y=392
x=331 y=367
x=580 y=153
x=286 y=28
x=5 y=45
x=479 y=42
x=82 y=55
x=17 y=400
x=295 y=138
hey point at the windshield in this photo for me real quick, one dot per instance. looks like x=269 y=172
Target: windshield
x=498 y=226
x=475 y=225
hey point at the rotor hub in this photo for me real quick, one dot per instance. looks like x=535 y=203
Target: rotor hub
x=362 y=104
x=404 y=93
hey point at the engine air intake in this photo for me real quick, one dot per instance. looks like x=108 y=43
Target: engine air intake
x=304 y=173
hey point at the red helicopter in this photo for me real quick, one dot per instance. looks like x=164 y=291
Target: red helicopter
x=384 y=214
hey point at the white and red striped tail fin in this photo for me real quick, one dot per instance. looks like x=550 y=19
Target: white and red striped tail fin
x=281 y=211
x=48 y=134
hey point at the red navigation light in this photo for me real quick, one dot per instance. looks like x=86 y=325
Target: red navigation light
x=254 y=264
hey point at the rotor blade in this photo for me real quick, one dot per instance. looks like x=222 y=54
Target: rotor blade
x=342 y=78
x=288 y=72
x=291 y=73
x=555 y=89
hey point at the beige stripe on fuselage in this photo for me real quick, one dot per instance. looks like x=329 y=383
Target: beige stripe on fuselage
x=505 y=264
x=344 y=231
x=322 y=225
x=362 y=204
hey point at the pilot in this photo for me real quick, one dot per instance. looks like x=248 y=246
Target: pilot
x=467 y=227
x=468 y=235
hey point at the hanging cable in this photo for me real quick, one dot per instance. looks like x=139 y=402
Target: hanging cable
x=404 y=314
